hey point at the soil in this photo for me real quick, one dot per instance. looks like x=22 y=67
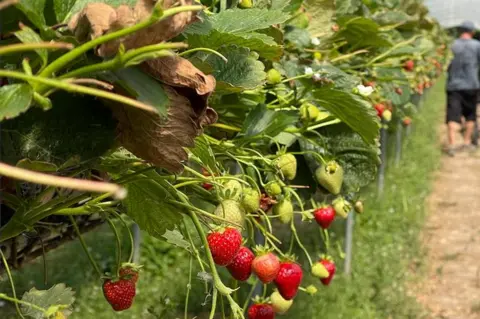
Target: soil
x=451 y=236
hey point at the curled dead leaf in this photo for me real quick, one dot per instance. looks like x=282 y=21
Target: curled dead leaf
x=97 y=19
x=161 y=141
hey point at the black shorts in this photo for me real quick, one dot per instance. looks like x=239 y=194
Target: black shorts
x=462 y=103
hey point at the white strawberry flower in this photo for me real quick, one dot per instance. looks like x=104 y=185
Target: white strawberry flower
x=316 y=77
x=308 y=70
x=315 y=41
x=364 y=90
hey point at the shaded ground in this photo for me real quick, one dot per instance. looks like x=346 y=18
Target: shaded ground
x=452 y=239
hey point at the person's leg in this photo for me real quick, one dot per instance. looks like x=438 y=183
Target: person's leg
x=453 y=118
x=469 y=111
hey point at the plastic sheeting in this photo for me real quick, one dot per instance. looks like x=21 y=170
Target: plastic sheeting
x=451 y=13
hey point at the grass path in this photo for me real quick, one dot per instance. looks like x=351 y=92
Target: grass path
x=452 y=236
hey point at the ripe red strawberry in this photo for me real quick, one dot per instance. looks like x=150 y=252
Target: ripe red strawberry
x=399 y=91
x=288 y=279
x=380 y=109
x=129 y=273
x=261 y=311
x=409 y=65
x=330 y=266
x=324 y=216
x=407 y=121
x=241 y=266
x=224 y=245
x=119 y=294
x=266 y=266
x=207 y=186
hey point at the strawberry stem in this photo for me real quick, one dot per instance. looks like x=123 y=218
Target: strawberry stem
x=84 y=246
x=132 y=245
x=189 y=287
x=10 y=278
x=118 y=251
x=214 y=303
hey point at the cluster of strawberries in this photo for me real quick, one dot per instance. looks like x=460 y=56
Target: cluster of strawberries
x=227 y=250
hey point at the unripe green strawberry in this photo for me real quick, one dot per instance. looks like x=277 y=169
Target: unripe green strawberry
x=285 y=211
x=342 y=207
x=279 y=304
x=273 y=189
x=273 y=76
x=330 y=177
x=245 y=4
x=287 y=164
x=233 y=189
x=250 y=200
x=309 y=112
x=232 y=211
x=358 y=206
x=319 y=270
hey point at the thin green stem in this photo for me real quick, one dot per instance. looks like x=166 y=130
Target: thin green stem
x=130 y=236
x=28 y=304
x=195 y=253
x=84 y=245
x=118 y=251
x=214 y=303
x=294 y=230
x=204 y=49
x=10 y=278
x=22 y=47
x=249 y=296
x=70 y=87
x=189 y=287
x=156 y=16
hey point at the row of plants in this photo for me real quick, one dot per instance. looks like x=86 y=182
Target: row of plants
x=255 y=118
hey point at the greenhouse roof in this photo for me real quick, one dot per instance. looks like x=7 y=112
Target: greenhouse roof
x=451 y=13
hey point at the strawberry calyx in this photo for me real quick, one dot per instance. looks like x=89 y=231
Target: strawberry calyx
x=260 y=250
x=331 y=167
x=326 y=257
x=258 y=300
x=288 y=258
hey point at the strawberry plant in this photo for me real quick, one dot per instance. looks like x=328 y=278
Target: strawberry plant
x=163 y=113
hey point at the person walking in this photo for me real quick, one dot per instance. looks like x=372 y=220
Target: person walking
x=462 y=86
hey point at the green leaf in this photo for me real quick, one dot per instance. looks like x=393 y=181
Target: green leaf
x=34 y=9
x=37 y=166
x=350 y=109
x=14 y=100
x=391 y=17
x=236 y=26
x=242 y=71
x=64 y=9
x=345 y=7
x=394 y=78
x=147 y=205
x=361 y=32
x=261 y=120
x=58 y=295
x=322 y=12
x=341 y=80
x=299 y=37
x=204 y=153
x=358 y=159
x=143 y=87
x=176 y=238
x=263 y=44
x=27 y=35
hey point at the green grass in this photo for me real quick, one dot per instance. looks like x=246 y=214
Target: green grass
x=386 y=255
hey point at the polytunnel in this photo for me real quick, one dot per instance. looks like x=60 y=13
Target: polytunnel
x=451 y=13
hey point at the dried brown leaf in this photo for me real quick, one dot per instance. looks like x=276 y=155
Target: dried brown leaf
x=162 y=141
x=97 y=19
